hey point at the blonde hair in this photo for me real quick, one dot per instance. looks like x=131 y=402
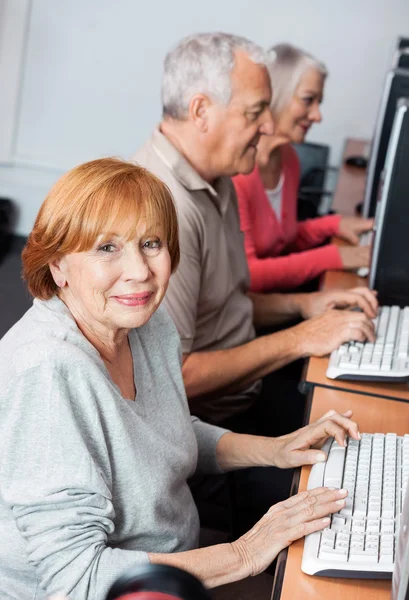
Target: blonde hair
x=102 y=196
x=286 y=65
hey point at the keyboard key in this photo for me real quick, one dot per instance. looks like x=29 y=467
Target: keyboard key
x=336 y=554
x=363 y=556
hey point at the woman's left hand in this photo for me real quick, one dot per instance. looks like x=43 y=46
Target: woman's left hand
x=302 y=446
x=350 y=228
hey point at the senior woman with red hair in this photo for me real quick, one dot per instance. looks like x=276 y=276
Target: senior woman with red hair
x=96 y=439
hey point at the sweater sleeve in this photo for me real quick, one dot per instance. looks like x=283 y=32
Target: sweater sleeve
x=312 y=232
x=288 y=272
x=55 y=479
x=207 y=437
x=279 y=272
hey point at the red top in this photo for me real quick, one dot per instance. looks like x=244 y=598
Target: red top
x=267 y=239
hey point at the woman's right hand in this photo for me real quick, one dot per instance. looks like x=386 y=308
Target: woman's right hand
x=284 y=523
x=354 y=257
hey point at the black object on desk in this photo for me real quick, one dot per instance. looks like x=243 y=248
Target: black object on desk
x=314 y=163
x=357 y=161
x=157 y=582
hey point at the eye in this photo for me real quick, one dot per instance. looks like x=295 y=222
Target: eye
x=253 y=116
x=308 y=100
x=152 y=246
x=107 y=248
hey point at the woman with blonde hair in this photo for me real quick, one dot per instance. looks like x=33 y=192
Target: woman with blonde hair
x=283 y=253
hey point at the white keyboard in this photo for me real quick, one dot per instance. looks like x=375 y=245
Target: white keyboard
x=360 y=540
x=365 y=240
x=385 y=360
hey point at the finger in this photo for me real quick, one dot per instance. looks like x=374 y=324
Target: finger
x=351 y=427
x=369 y=295
x=364 y=305
x=302 y=529
x=353 y=239
x=298 y=499
x=349 y=235
x=354 y=298
x=353 y=319
x=368 y=329
x=358 y=332
x=332 y=412
x=327 y=414
x=307 y=457
x=361 y=225
x=338 y=427
x=317 y=506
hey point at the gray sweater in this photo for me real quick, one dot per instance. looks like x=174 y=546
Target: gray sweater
x=90 y=482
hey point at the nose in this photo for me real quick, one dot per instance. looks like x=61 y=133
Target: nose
x=315 y=114
x=136 y=265
x=267 y=127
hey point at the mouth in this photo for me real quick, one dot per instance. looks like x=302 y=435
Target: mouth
x=140 y=299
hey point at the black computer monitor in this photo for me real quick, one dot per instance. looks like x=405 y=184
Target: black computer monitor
x=403 y=42
x=389 y=270
x=401 y=55
x=396 y=86
x=401 y=59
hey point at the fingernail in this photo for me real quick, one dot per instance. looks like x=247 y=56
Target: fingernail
x=326 y=520
x=321 y=457
x=343 y=491
x=359 y=436
x=332 y=488
x=340 y=502
x=345 y=443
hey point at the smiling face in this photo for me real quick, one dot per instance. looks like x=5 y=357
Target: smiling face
x=296 y=117
x=118 y=283
x=234 y=130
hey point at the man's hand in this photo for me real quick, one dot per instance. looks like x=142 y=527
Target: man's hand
x=350 y=228
x=317 y=303
x=300 y=447
x=354 y=257
x=321 y=335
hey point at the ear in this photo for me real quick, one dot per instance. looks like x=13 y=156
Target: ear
x=58 y=272
x=199 y=111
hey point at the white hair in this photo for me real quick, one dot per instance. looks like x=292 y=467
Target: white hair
x=286 y=65
x=202 y=63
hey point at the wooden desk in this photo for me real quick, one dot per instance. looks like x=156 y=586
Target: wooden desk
x=373 y=415
x=349 y=191
x=315 y=374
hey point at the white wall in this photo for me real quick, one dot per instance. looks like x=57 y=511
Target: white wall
x=90 y=76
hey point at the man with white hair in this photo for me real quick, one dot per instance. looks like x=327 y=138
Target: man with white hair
x=216 y=94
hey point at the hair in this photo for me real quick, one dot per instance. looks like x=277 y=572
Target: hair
x=286 y=65
x=100 y=197
x=202 y=63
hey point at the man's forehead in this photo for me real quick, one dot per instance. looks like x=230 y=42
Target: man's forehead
x=250 y=80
